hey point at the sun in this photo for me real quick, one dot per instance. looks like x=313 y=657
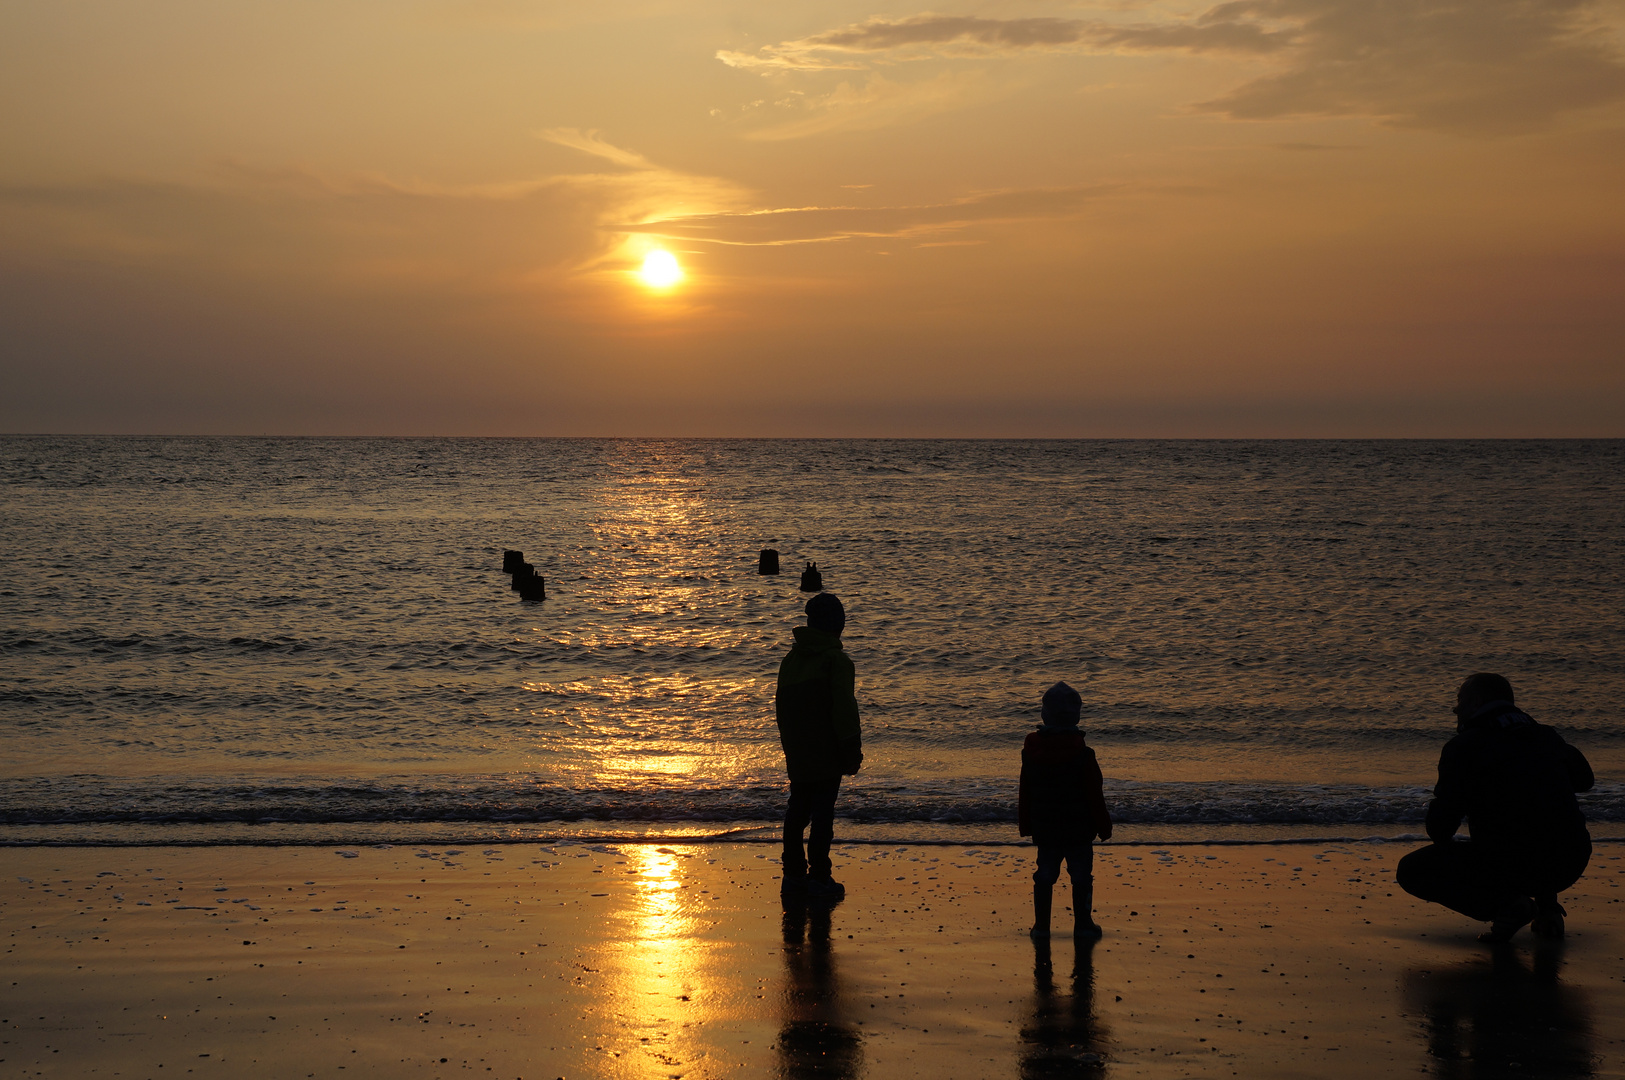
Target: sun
x=661 y=270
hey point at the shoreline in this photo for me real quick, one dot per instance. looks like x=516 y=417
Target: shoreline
x=678 y=960
x=989 y=836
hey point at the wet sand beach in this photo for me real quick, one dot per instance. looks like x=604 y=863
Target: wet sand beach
x=678 y=960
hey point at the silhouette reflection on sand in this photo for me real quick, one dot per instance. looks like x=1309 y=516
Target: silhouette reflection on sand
x=1502 y=1015
x=1064 y=1037
x=817 y=1039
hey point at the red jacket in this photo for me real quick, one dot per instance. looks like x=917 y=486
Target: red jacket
x=1061 y=799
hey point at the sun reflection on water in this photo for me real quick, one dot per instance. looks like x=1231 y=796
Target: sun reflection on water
x=654 y=728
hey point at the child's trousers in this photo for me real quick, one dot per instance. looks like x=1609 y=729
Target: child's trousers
x=1080 y=863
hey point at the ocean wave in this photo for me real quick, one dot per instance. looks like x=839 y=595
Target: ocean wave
x=88 y=800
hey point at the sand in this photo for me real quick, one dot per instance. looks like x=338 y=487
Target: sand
x=535 y=961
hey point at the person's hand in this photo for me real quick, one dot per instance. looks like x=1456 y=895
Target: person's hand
x=1106 y=833
x=852 y=764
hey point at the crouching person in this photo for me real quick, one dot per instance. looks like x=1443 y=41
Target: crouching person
x=1062 y=807
x=1515 y=782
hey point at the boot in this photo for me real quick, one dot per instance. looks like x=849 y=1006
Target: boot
x=1518 y=913
x=1083 y=920
x=824 y=887
x=1041 y=903
x=1548 y=922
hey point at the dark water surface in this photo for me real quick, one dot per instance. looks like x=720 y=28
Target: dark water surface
x=310 y=639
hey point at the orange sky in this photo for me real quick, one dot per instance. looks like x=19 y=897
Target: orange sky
x=1261 y=218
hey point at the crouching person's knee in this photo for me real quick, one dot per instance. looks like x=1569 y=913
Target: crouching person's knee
x=1417 y=871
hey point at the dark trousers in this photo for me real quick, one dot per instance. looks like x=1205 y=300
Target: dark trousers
x=1479 y=883
x=1080 y=863
x=811 y=802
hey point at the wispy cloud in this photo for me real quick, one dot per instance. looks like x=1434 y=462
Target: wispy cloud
x=1309 y=147
x=822 y=224
x=589 y=142
x=646 y=190
x=1485 y=66
x=879 y=102
x=355 y=229
x=929 y=35
x=1472 y=66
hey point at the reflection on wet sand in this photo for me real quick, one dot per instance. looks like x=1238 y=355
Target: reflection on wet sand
x=1064 y=1038
x=659 y=970
x=816 y=1039
x=1501 y=1016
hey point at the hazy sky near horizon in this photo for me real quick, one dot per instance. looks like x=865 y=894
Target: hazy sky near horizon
x=1250 y=218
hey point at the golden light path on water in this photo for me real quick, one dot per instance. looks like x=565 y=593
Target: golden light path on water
x=653 y=521
x=666 y=964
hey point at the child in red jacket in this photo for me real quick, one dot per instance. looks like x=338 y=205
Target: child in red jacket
x=1062 y=808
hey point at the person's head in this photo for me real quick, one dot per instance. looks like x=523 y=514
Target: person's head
x=825 y=612
x=1478 y=691
x=1063 y=706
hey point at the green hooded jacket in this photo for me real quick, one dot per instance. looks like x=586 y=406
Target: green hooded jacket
x=817 y=708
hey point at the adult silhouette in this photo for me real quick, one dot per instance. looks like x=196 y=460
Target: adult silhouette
x=817 y=713
x=1514 y=781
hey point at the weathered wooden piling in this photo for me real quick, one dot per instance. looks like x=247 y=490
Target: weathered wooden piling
x=533 y=587
x=768 y=562
x=811 y=579
x=512 y=560
x=520 y=573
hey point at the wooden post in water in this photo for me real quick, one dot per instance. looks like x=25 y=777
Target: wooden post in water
x=768 y=562
x=532 y=587
x=512 y=560
x=811 y=579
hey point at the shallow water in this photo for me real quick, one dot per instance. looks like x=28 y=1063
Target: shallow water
x=314 y=635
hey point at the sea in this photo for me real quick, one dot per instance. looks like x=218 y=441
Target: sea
x=311 y=640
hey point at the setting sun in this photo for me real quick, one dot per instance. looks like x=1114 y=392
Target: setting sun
x=660 y=270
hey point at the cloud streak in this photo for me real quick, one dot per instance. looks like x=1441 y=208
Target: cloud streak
x=880 y=102
x=824 y=224
x=359 y=231
x=1466 y=66
x=928 y=36
x=588 y=142
x=1482 y=67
